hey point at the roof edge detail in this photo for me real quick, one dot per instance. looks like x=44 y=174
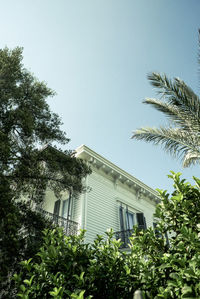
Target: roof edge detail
x=85 y=152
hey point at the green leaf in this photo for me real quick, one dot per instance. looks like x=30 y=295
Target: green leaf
x=23 y=288
x=186 y=290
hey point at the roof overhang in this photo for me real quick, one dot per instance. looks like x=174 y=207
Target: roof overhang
x=116 y=172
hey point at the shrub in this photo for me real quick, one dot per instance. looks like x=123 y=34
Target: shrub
x=161 y=267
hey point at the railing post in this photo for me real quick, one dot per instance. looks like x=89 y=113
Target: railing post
x=70 y=226
x=138 y=295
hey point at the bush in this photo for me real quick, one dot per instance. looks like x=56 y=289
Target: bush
x=67 y=267
x=161 y=267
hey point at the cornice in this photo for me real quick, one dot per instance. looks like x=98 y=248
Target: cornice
x=116 y=172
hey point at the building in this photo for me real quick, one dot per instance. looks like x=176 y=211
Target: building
x=115 y=199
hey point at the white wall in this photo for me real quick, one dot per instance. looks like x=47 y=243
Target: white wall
x=103 y=201
x=98 y=210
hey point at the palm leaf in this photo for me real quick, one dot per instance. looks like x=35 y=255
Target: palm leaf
x=176 y=92
x=191 y=158
x=179 y=143
x=181 y=106
x=180 y=118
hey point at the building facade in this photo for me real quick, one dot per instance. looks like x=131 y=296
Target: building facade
x=115 y=199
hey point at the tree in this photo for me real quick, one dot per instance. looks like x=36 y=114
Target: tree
x=29 y=163
x=170 y=267
x=182 y=107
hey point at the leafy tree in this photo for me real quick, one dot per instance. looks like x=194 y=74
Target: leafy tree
x=160 y=267
x=182 y=108
x=170 y=267
x=28 y=161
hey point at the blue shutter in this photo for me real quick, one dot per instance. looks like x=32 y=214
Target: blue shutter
x=127 y=219
x=56 y=210
x=121 y=218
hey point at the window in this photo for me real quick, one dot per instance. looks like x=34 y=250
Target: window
x=130 y=221
x=141 y=221
x=65 y=208
x=61 y=208
x=128 y=218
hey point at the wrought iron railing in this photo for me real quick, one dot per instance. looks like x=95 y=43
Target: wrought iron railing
x=125 y=236
x=70 y=227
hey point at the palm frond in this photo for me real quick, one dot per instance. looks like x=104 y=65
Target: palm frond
x=182 y=107
x=188 y=98
x=191 y=158
x=176 y=92
x=175 y=141
x=179 y=117
x=165 y=87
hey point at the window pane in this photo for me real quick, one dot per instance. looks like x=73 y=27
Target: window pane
x=65 y=208
x=129 y=220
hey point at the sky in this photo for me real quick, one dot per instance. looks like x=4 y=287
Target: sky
x=96 y=55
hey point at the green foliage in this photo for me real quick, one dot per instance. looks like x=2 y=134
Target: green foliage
x=181 y=106
x=28 y=162
x=172 y=269
x=160 y=267
x=59 y=272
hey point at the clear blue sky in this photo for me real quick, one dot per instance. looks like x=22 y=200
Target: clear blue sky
x=96 y=55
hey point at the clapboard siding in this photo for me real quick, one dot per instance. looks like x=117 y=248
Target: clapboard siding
x=98 y=210
x=103 y=203
x=101 y=206
x=111 y=187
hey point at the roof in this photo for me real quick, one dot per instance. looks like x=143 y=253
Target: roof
x=116 y=172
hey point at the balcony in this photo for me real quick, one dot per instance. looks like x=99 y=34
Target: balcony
x=69 y=227
x=125 y=236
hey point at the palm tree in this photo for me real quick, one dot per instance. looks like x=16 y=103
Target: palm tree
x=182 y=107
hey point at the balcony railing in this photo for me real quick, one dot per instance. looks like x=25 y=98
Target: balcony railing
x=125 y=236
x=70 y=227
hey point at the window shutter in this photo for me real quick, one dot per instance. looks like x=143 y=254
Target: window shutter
x=127 y=219
x=141 y=221
x=121 y=218
x=56 y=210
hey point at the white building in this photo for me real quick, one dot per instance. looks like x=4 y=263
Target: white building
x=116 y=200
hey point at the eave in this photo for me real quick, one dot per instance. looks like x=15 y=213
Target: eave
x=116 y=172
